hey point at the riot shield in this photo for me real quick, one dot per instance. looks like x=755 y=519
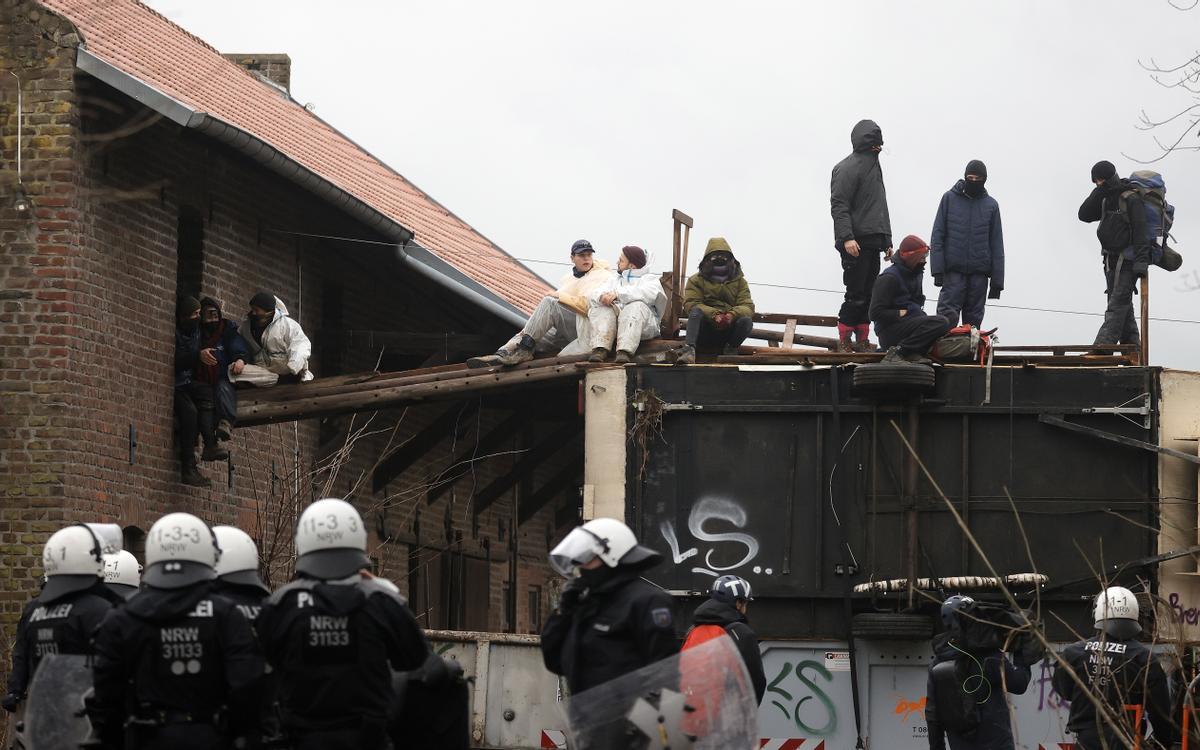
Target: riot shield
x=699 y=699
x=54 y=711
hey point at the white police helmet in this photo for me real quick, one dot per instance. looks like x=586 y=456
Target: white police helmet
x=239 y=557
x=122 y=573
x=331 y=540
x=606 y=538
x=180 y=551
x=1116 y=612
x=72 y=561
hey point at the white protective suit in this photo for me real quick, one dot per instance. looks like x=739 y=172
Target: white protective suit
x=631 y=319
x=554 y=322
x=285 y=350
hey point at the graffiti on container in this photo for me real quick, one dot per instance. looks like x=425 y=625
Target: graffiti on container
x=813 y=692
x=1048 y=697
x=706 y=511
x=1187 y=616
x=906 y=708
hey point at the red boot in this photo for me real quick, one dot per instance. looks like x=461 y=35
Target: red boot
x=844 y=342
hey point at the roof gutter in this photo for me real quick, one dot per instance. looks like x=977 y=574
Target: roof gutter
x=412 y=255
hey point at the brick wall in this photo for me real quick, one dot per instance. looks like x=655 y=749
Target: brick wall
x=87 y=294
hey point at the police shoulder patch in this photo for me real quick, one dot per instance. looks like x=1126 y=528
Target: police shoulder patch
x=662 y=617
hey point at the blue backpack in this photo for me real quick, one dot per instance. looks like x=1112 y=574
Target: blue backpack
x=1160 y=215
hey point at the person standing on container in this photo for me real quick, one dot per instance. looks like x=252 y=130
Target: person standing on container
x=966 y=254
x=862 y=230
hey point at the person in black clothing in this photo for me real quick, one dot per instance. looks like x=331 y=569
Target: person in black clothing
x=1118 y=225
x=728 y=600
x=963 y=675
x=195 y=402
x=177 y=667
x=609 y=621
x=61 y=619
x=222 y=349
x=334 y=635
x=897 y=306
x=1119 y=670
x=237 y=571
x=862 y=230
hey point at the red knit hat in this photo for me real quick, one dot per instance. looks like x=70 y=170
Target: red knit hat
x=913 y=251
x=635 y=255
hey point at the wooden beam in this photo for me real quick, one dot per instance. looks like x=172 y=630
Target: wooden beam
x=789 y=334
x=569 y=473
x=406 y=454
x=563 y=438
x=682 y=218
x=823 y=321
x=486 y=444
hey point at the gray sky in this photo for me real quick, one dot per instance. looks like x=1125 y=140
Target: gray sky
x=543 y=122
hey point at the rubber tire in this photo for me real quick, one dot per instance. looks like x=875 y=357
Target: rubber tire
x=877 y=376
x=891 y=626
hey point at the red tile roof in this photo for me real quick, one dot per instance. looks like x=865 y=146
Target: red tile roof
x=145 y=45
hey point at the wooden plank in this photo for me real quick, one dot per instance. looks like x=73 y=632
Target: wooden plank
x=823 y=321
x=682 y=218
x=564 y=438
x=529 y=507
x=789 y=333
x=486 y=444
x=408 y=453
x=1067 y=348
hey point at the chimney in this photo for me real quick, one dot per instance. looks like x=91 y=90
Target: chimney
x=276 y=68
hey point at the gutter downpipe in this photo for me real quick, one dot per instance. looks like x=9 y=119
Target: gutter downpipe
x=411 y=254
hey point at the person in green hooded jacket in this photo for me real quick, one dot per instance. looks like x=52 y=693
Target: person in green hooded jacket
x=717 y=304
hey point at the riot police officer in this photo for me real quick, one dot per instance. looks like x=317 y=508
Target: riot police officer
x=237 y=571
x=609 y=621
x=1118 y=670
x=122 y=573
x=72 y=603
x=177 y=665
x=331 y=635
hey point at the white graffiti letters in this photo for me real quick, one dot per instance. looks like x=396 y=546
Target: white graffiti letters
x=704 y=513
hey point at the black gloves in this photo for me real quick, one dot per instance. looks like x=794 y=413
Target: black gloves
x=937 y=279
x=994 y=292
x=571 y=594
x=10 y=702
x=1141 y=269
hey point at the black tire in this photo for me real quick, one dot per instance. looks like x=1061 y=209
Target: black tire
x=878 y=376
x=891 y=626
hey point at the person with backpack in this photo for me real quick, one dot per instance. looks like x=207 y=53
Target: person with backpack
x=966 y=253
x=1125 y=247
x=725 y=614
x=966 y=704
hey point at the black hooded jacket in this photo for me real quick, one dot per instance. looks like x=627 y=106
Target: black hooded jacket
x=994 y=731
x=713 y=612
x=1105 y=200
x=857 y=199
x=619 y=625
x=182 y=651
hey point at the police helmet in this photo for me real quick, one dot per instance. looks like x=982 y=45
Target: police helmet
x=951 y=608
x=606 y=538
x=72 y=561
x=1116 y=613
x=331 y=540
x=730 y=589
x=180 y=551
x=239 y=557
x=122 y=573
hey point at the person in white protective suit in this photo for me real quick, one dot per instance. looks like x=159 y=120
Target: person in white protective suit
x=278 y=348
x=626 y=309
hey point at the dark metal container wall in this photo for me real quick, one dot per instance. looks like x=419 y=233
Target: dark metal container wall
x=790 y=479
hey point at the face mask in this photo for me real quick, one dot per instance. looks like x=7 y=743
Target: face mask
x=261 y=320
x=973 y=189
x=189 y=325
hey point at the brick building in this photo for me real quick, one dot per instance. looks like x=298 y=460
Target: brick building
x=157 y=166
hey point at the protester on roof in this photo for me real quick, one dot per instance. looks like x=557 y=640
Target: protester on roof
x=717 y=302
x=626 y=309
x=195 y=401
x=1122 y=217
x=862 y=230
x=553 y=326
x=222 y=353
x=967 y=248
x=897 y=306
x=276 y=344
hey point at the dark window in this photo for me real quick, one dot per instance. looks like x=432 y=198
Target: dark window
x=535 y=608
x=332 y=343
x=133 y=539
x=189 y=247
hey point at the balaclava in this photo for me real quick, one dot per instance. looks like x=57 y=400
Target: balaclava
x=975 y=189
x=264 y=301
x=208 y=303
x=185 y=307
x=1103 y=170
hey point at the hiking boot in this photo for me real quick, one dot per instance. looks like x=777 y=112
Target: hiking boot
x=844 y=343
x=214 y=453
x=192 y=477
x=599 y=354
x=224 y=430
x=623 y=357
x=893 y=357
x=916 y=358
x=516 y=356
x=685 y=355
x=487 y=360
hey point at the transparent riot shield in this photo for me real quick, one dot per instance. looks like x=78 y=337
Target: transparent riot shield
x=54 y=712
x=701 y=698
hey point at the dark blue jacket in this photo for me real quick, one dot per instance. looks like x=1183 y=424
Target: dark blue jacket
x=995 y=725
x=187 y=355
x=897 y=288
x=229 y=348
x=967 y=237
